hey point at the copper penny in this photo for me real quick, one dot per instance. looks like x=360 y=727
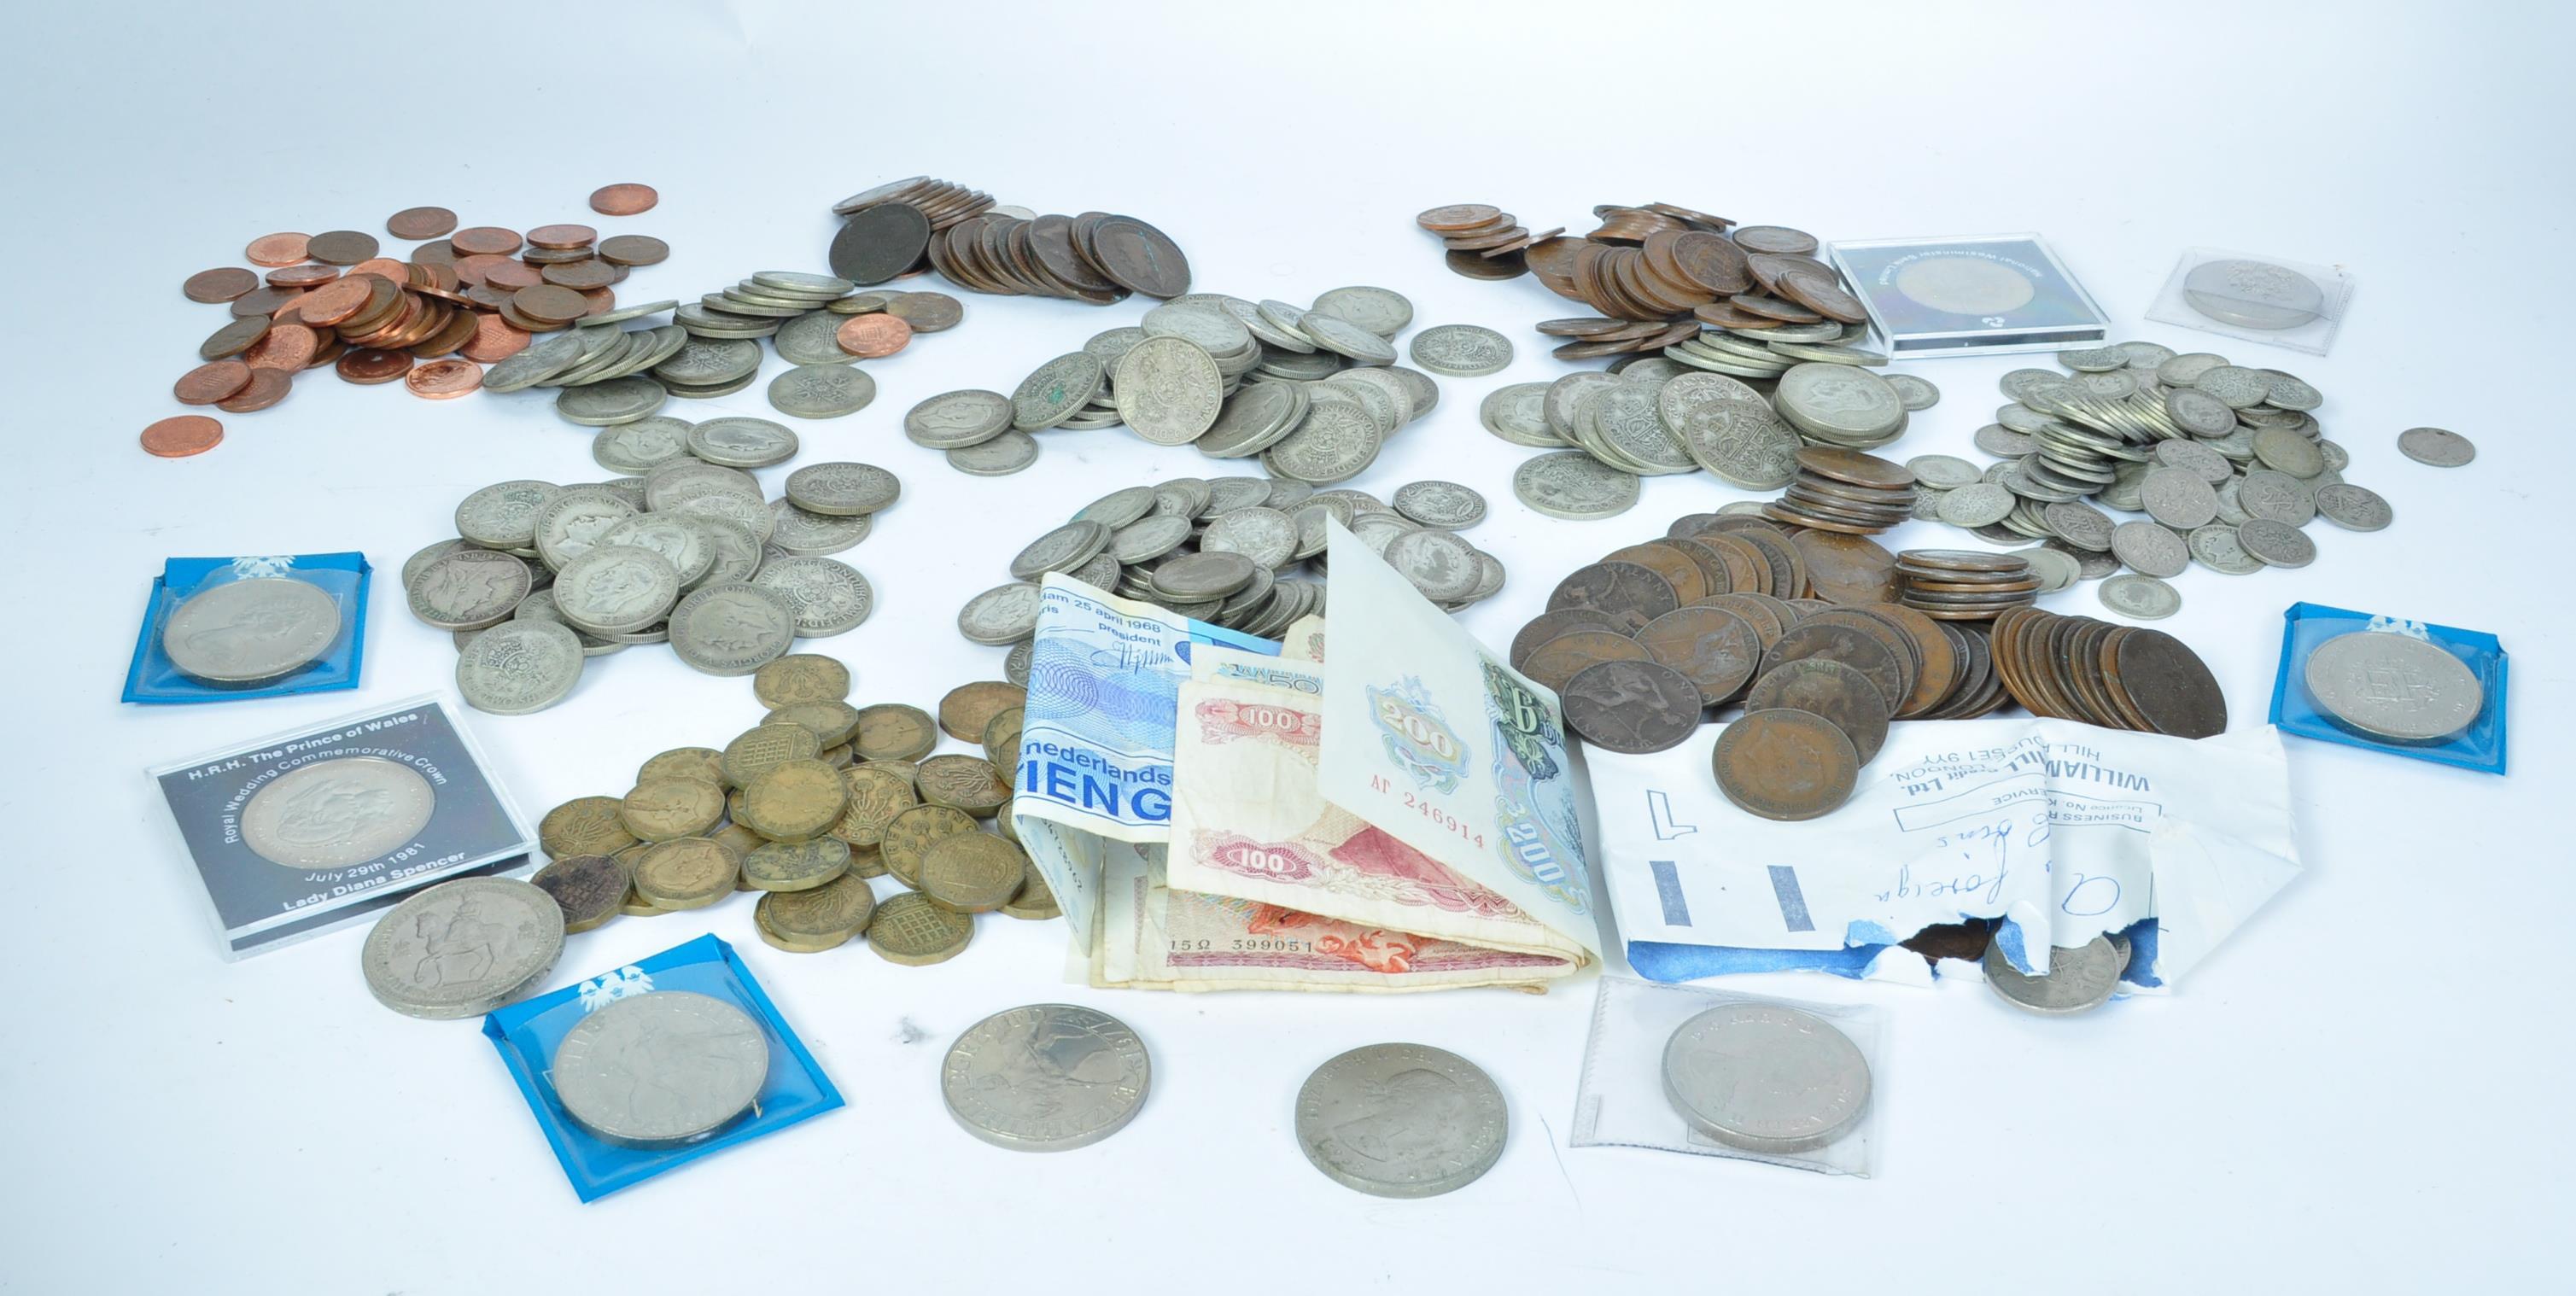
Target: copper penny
x=435 y=252
x=633 y=250
x=335 y=301
x=416 y=223
x=267 y=387
x=872 y=336
x=1556 y=662
x=1847 y=568
x=1853 y=646
x=232 y=339
x=549 y=303
x=623 y=199
x=211 y=382
x=277 y=249
x=1548 y=625
x=382 y=268
x=477 y=267
x=582 y=276
x=454 y=333
x=926 y=312
x=1715 y=649
x=1829 y=689
x=444 y=379
x=263 y=302
x=284 y=346
x=562 y=236
x=341 y=247
x=1784 y=764
x=601 y=301
x=182 y=435
x=303 y=276
x=494 y=339
x=485 y=240
x=367 y=366
x=502 y=272
x=332 y=346
x=1457 y=216
x=1630 y=595
x=222 y=284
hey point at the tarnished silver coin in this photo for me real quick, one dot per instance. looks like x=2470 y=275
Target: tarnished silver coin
x=337 y=813
x=741 y=442
x=812 y=339
x=2439 y=447
x=2078 y=979
x=2142 y=598
x=1915 y=393
x=2390 y=684
x=1336 y=441
x=1000 y=457
x=2150 y=548
x=1461 y=350
x=958 y=418
x=2354 y=508
x=1001 y=615
x=829 y=597
x=1518 y=414
x=2277 y=544
x=469 y=589
x=1402 y=1120
x=1381 y=311
x=1344 y=338
x=617 y=588
x=1574 y=486
x=504 y=514
x=245 y=631
x=641 y=446
x=1447 y=505
x=821 y=391
x=843 y=489
x=1168 y=389
x=1056 y=391
x=1046 y=1078
x=732 y=629
x=661 y=1068
x=2215 y=547
x=463 y=948
x=1766 y=1078
x=519 y=667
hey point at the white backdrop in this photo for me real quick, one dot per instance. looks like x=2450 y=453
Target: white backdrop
x=2361 y=1091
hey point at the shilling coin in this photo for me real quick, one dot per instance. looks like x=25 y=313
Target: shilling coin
x=1401 y=1120
x=1045 y=1078
x=2394 y=686
x=337 y=813
x=246 y=631
x=463 y=948
x=822 y=391
x=2077 y=980
x=1814 y=1084
x=662 y=1068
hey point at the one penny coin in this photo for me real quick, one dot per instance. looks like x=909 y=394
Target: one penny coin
x=623 y=199
x=485 y=240
x=335 y=301
x=416 y=223
x=873 y=336
x=277 y=249
x=367 y=366
x=341 y=247
x=633 y=250
x=267 y=387
x=208 y=383
x=182 y=435
x=1786 y=765
x=444 y=379
x=221 y=284
x=284 y=346
x=561 y=237
x=494 y=339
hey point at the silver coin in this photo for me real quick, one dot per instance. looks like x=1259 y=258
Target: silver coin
x=1062 y=550
x=2253 y=294
x=618 y=400
x=1265 y=535
x=812 y=339
x=821 y=391
x=2150 y=547
x=843 y=489
x=1056 y=391
x=1942 y=472
x=1001 y=615
x=245 y=631
x=2354 y=508
x=2392 y=685
x=504 y=514
x=1336 y=441
x=641 y=446
x=1149 y=538
x=1046 y=1078
x=1461 y=350
x=1015 y=664
x=1254 y=419
x=1518 y=414
x=1401 y=1120
x=733 y=629
x=1447 y=505
x=519 y=667
x=617 y=588
x=539 y=361
x=1381 y=311
x=1168 y=389
x=1574 y=486
x=1839 y=401
x=706 y=361
x=950 y=420
x=1000 y=457
x=2440 y=447
x=1439 y=564
x=1345 y=338
x=2077 y=980
x=828 y=597
x=1119 y=507
x=539 y=605
x=2142 y=598
x=469 y=589
x=1766 y=1078
x=337 y=813
x=575 y=520
x=662 y=1068
x=1204 y=577
x=1981 y=504
x=814 y=535
x=463 y=948
x=739 y=442
x=2277 y=544
x=2215 y=547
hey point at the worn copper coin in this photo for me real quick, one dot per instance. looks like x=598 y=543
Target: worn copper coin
x=550 y=303
x=633 y=250
x=222 y=284
x=558 y=237
x=870 y=337
x=1631 y=707
x=1851 y=645
x=208 y=383
x=1847 y=568
x=879 y=243
x=182 y=435
x=1556 y=662
x=267 y=387
x=485 y=240
x=1140 y=258
x=1548 y=625
x=417 y=223
x=277 y=249
x=2169 y=684
x=1830 y=689
x=367 y=366
x=1629 y=594
x=926 y=312
x=1716 y=649
x=623 y=199
x=494 y=339
x=1785 y=764
x=444 y=379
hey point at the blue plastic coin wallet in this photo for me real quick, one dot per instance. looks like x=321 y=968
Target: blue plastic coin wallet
x=528 y=1033
x=2404 y=699
x=320 y=642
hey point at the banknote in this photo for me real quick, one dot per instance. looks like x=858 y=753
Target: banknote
x=1096 y=731
x=1249 y=824
x=1434 y=739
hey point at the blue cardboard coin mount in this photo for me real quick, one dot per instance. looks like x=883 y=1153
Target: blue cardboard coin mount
x=153 y=678
x=527 y=1034
x=2309 y=626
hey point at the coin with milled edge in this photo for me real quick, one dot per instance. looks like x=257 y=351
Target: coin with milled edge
x=1461 y=350
x=1046 y=1077
x=1401 y=1120
x=1813 y=1086
x=2392 y=685
x=245 y=631
x=660 y=1069
x=463 y=948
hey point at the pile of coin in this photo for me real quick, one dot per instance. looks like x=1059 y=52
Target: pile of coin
x=1845 y=491
x=2227 y=463
x=1964 y=584
x=1653 y=416
x=804 y=808
x=464 y=299
x=691 y=553
x=2117 y=677
x=1314 y=391
x=1484 y=242
x=896 y=228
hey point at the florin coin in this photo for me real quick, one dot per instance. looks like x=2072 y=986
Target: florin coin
x=1401 y=1120
x=463 y=948
x=1045 y=1078
x=659 y=1069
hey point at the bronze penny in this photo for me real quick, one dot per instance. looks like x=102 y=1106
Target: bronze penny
x=367 y=366
x=1140 y=258
x=494 y=339
x=267 y=387
x=449 y=336
x=1856 y=468
x=1678 y=569
x=1711 y=261
x=1775 y=238
x=1785 y=765
x=926 y=312
x=2168 y=683
x=341 y=247
x=211 y=382
x=485 y=240
x=182 y=435
x=308 y=275
x=1548 y=625
x=1556 y=662
x=1937 y=661
x=504 y=272
x=1631 y=707
x=277 y=249
x=1829 y=689
x=582 y=276
x=1630 y=595
x=264 y=302
x=1716 y=649
x=550 y=303
x=1853 y=646
x=1848 y=569
x=433 y=253
x=559 y=237
x=1820 y=294
x=222 y=284
x=1764 y=613
x=416 y=223
x=1788 y=569
x=1899 y=644
x=233 y=339
x=633 y=250
x=1457 y=216
x=623 y=199
x=444 y=379
x=283 y=346
x=872 y=336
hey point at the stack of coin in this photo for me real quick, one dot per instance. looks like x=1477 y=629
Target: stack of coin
x=1964 y=584
x=1315 y=391
x=1484 y=242
x=1845 y=491
x=461 y=301
x=905 y=226
x=691 y=552
x=2118 y=677
x=2227 y=463
x=804 y=808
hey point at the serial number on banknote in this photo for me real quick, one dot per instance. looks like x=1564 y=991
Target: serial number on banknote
x=1446 y=821
x=1271 y=945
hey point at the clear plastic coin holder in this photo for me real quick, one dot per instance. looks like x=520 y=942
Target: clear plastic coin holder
x=1714 y=1073
x=2291 y=304
x=2427 y=692
x=529 y=1033
x=1979 y=294
x=213 y=633
x=300 y=832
